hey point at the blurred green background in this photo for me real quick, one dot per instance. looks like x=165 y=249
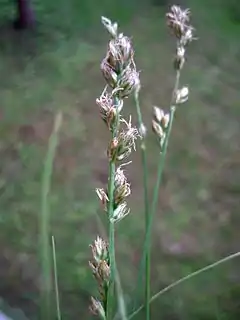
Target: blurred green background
x=56 y=67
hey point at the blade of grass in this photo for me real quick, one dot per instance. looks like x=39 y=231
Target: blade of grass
x=188 y=277
x=44 y=223
x=56 y=279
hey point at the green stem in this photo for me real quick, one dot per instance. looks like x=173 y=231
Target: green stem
x=146 y=257
x=111 y=235
x=148 y=285
x=111 y=230
x=161 y=164
x=146 y=209
x=188 y=277
x=110 y=298
x=164 y=151
x=56 y=279
x=160 y=170
x=143 y=157
x=44 y=221
x=147 y=243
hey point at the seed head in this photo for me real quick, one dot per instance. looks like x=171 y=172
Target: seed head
x=103 y=197
x=160 y=118
x=104 y=271
x=125 y=47
x=177 y=20
x=121 y=146
x=111 y=27
x=120 y=53
x=128 y=82
x=108 y=109
x=122 y=187
x=179 y=58
x=99 y=250
x=187 y=37
x=142 y=131
x=160 y=124
x=165 y=121
x=158 y=114
x=157 y=129
x=126 y=140
x=120 y=212
x=100 y=265
x=109 y=73
x=96 y=308
x=182 y=95
x=101 y=272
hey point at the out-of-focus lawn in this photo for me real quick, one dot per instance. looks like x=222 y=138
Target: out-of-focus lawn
x=57 y=68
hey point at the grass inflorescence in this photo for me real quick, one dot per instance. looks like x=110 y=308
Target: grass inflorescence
x=122 y=79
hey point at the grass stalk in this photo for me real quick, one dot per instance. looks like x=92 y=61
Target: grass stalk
x=56 y=279
x=186 y=278
x=146 y=257
x=146 y=206
x=160 y=169
x=111 y=230
x=44 y=222
x=162 y=157
x=143 y=156
x=147 y=244
x=110 y=299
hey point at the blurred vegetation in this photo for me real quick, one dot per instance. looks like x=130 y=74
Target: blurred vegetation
x=56 y=68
